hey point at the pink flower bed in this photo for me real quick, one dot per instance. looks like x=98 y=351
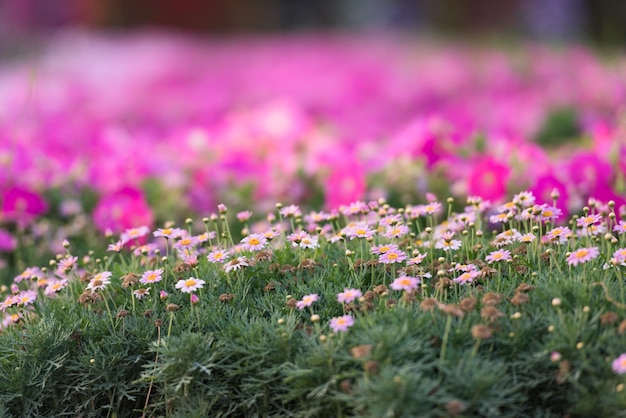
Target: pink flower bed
x=355 y=117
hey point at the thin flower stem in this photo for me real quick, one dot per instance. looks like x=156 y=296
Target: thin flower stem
x=444 y=342
x=156 y=360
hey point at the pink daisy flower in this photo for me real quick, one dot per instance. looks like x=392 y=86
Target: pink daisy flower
x=236 y=264
x=383 y=248
x=99 y=281
x=446 y=245
x=309 y=242
x=620 y=255
x=559 y=234
x=116 y=247
x=55 y=286
x=499 y=218
x=360 y=230
x=10 y=300
x=525 y=199
x=405 y=283
x=186 y=243
x=619 y=364
x=254 y=242
x=141 y=292
x=291 y=211
x=620 y=228
x=189 y=285
x=348 y=295
x=26 y=298
x=134 y=233
x=416 y=259
x=548 y=213
x=205 y=236
x=499 y=255
x=244 y=216
x=28 y=274
x=396 y=231
x=529 y=237
x=218 y=256
x=296 y=238
x=151 y=276
x=66 y=264
x=169 y=233
x=582 y=255
x=588 y=220
x=306 y=301
x=341 y=323
x=392 y=256
x=467 y=277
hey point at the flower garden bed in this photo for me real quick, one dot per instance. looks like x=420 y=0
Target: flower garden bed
x=455 y=242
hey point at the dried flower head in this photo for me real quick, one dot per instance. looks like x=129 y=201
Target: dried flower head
x=490 y=313
x=172 y=307
x=453 y=310
x=455 y=407
x=524 y=287
x=520 y=298
x=361 y=351
x=468 y=304
x=491 y=298
x=428 y=304
x=481 y=332
x=609 y=318
x=226 y=297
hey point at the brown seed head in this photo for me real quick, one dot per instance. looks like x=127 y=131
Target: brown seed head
x=361 y=351
x=524 y=287
x=622 y=327
x=453 y=310
x=519 y=299
x=371 y=367
x=609 y=318
x=172 y=307
x=428 y=304
x=291 y=303
x=367 y=306
x=122 y=314
x=369 y=295
x=455 y=407
x=380 y=289
x=468 y=304
x=481 y=332
x=491 y=298
x=490 y=313
x=130 y=280
x=345 y=386
x=226 y=297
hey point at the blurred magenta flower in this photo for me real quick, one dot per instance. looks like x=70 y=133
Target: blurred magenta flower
x=488 y=179
x=21 y=205
x=122 y=210
x=544 y=188
x=7 y=241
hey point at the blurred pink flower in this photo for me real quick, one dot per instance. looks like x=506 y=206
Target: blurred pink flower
x=345 y=182
x=543 y=189
x=488 y=179
x=124 y=209
x=21 y=205
x=7 y=241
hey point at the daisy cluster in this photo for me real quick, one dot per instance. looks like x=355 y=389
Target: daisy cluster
x=420 y=252
x=203 y=124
